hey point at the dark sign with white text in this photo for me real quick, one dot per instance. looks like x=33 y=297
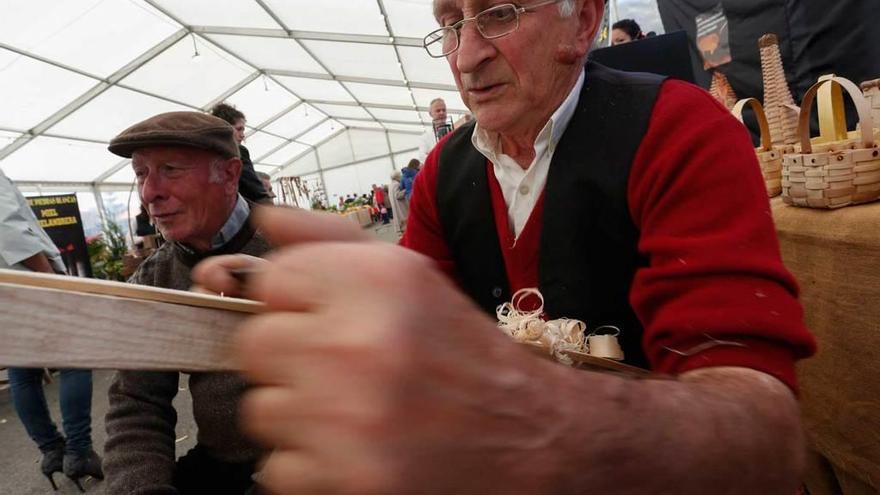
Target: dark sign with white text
x=59 y=216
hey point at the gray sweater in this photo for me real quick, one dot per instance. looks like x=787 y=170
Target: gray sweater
x=140 y=448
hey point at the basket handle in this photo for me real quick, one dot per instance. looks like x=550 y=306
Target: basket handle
x=766 y=143
x=866 y=120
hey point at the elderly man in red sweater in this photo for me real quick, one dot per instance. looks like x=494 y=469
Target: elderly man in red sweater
x=627 y=200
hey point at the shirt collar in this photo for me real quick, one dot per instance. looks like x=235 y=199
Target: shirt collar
x=488 y=143
x=236 y=221
x=233 y=225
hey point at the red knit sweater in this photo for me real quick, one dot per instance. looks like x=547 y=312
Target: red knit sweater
x=697 y=198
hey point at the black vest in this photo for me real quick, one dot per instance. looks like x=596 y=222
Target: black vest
x=589 y=252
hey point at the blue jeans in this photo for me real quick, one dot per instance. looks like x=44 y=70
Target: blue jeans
x=26 y=386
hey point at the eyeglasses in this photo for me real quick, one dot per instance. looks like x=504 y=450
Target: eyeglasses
x=492 y=23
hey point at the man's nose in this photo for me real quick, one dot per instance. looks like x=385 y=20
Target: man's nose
x=151 y=189
x=473 y=48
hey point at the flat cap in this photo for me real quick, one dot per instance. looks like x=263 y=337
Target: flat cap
x=195 y=129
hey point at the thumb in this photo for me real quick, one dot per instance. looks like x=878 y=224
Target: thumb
x=286 y=226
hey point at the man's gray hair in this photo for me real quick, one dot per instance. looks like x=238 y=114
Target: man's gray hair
x=566 y=8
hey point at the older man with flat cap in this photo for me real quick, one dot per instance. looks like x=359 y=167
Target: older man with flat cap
x=187 y=168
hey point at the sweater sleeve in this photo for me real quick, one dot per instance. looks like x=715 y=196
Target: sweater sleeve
x=139 y=454
x=140 y=448
x=715 y=272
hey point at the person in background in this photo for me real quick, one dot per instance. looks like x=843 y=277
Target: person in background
x=24 y=245
x=408 y=177
x=387 y=201
x=266 y=179
x=378 y=201
x=398 y=201
x=625 y=31
x=439 y=127
x=249 y=185
x=187 y=170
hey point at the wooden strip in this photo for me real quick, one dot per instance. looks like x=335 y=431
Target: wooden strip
x=52 y=328
x=56 y=328
x=128 y=291
x=590 y=363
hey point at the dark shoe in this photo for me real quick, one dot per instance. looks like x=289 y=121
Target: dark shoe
x=80 y=465
x=52 y=462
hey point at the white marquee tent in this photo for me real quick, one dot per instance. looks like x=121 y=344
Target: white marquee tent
x=335 y=91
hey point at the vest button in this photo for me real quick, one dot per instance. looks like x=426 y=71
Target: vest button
x=524 y=189
x=496 y=292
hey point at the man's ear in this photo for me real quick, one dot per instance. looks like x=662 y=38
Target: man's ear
x=231 y=173
x=589 y=14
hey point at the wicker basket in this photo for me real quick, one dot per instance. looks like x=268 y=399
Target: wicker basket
x=836 y=173
x=769 y=156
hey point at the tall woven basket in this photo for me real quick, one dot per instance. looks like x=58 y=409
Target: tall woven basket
x=769 y=157
x=838 y=173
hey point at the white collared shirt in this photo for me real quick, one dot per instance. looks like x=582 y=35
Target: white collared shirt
x=522 y=187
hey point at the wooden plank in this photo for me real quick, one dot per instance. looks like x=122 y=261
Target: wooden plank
x=52 y=321
x=129 y=291
x=53 y=328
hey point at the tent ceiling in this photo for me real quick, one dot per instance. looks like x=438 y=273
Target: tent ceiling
x=73 y=74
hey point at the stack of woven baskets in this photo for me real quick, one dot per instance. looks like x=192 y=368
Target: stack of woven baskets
x=838 y=171
x=835 y=169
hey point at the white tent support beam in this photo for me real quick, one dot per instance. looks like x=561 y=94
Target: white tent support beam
x=99 y=202
x=386 y=121
x=32 y=185
x=386 y=106
x=350 y=143
x=271 y=13
x=389 y=131
x=314 y=147
x=370 y=39
x=51 y=62
x=293 y=139
x=309 y=52
x=273 y=118
x=362 y=80
x=320 y=174
x=231 y=91
x=360 y=161
x=390 y=151
x=399 y=60
x=89 y=95
x=103 y=80
x=57 y=136
x=115 y=168
x=257 y=69
x=288 y=140
x=253 y=65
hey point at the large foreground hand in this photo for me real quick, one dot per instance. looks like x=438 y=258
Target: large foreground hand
x=375 y=375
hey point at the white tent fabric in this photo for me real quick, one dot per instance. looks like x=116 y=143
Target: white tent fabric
x=336 y=91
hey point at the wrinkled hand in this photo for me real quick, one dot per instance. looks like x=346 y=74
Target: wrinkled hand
x=376 y=376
